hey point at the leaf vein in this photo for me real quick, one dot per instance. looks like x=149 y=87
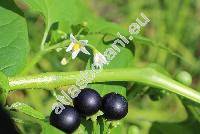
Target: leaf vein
x=10 y=22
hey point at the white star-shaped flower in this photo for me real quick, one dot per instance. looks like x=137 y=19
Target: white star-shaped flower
x=77 y=46
x=99 y=60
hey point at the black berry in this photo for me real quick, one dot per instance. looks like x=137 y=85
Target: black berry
x=88 y=102
x=68 y=120
x=114 y=106
x=6 y=123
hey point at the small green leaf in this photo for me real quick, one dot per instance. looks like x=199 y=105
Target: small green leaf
x=26 y=109
x=14 y=46
x=81 y=130
x=48 y=129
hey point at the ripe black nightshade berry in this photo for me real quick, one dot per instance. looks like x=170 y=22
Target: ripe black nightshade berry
x=114 y=106
x=88 y=102
x=68 y=120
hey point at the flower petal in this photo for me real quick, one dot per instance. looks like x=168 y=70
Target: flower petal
x=69 y=48
x=72 y=38
x=75 y=53
x=103 y=59
x=99 y=60
x=96 y=58
x=84 y=50
x=83 y=42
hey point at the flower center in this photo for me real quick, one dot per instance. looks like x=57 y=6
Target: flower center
x=76 y=47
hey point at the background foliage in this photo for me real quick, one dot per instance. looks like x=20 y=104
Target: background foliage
x=169 y=44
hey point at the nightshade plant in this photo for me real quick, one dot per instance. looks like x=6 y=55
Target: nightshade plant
x=36 y=35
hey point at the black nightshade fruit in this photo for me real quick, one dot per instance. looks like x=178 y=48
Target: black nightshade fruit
x=88 y=102
x=68 y=120
x=114 y=106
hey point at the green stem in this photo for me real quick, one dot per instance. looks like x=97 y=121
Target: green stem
x=40 y=54
x=94 y=125
x=58 y=45
x=147 y=76
x=79 y=32
x=93 y=48
x=44 y=38
x=35 y=59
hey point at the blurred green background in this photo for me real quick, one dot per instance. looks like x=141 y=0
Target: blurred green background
x=175 y=24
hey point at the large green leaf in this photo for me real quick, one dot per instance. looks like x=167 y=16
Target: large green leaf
x=69 y=11
x=13 y=42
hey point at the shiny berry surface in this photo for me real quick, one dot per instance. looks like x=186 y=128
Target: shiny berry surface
x=88 y=102
x=114 y=106
x=68 y=120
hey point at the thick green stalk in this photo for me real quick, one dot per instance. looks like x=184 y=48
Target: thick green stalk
x=147 y=76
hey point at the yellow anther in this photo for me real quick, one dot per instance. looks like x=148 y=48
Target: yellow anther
x=76 y=47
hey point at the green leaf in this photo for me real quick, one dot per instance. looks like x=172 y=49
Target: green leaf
x=106 y=88
x=14 y=46
x=4 y=87
x=68 y=11
x=26 y=109
x=48 y=129
x=4 y=84
x=82 y=130
x=102 y=26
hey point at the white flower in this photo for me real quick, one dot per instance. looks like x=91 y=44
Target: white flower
x=77 y=46
x=99 y=59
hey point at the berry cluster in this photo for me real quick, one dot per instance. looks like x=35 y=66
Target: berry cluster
x=87 y=103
